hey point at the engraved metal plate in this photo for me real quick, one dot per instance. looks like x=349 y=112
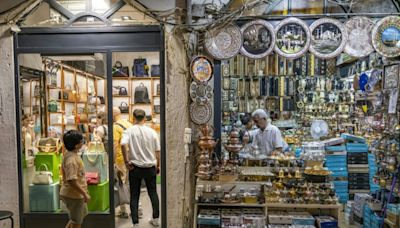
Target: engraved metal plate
x=224 y=43
x=200 y=113
x=200 y=92
x=359 y=42
x=258 y=39
x=386 y=36
x=328 y=38
x=292 y=38
x=201 y=69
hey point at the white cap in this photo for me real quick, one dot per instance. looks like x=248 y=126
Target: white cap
x=260 y=113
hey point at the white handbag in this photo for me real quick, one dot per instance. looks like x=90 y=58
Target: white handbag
x=43 y=176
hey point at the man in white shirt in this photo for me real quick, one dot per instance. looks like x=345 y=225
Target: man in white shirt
x=268 y=137
x=142 y=161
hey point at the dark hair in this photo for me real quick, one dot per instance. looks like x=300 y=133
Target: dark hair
x=246 y=118
x=139 y=114
x=72 y=138
x=103 y=117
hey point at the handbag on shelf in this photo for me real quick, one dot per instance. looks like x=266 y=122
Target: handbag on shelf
x=122 y=91
x=124 y=107
x=102 y=101
x=81 y=115
x=52 y=106
x=149 y=117
x=69 y=119
x=158 y=92
x=65 y=93
x=36 y=91
x=155 y=70
x=49 y=145
x=94 y=100
x=157 y=109
x=140 y=68
x=44 y=177
x=84 y=128
x=95 y=147
x=120 y=71
x=141 y=94
x=35 y=109
x=92 y=178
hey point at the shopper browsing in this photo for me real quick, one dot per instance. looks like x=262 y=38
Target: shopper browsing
x=142 y=161
x=119 y=126
x=268 y=137
x=101 y=130
x=74 y=192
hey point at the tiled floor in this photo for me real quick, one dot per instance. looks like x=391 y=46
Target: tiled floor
x=147 y=212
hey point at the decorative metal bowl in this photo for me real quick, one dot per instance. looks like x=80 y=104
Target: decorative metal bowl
x=386 y=36
x=359 y=42
x=292 y=38
x=224 y=43
x=328 y=38
x=201 y=69
x=258 y=39
x=200 y=113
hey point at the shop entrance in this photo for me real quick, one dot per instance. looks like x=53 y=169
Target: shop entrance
x=67 y=79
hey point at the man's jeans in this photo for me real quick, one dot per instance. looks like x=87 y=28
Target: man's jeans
x=135 y=179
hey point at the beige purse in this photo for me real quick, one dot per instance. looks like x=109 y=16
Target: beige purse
x=49 y=145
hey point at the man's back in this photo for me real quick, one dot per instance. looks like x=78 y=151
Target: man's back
x=143 y=142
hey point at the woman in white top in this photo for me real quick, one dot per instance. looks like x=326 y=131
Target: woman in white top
x=28 y=134
x=101 y=131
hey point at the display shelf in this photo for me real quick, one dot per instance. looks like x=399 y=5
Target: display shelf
x=72 y=102
x=290 y=206
x=231 y=204
x=53 y=87
x=124 y=96
x=139 y=104
x=120 y=78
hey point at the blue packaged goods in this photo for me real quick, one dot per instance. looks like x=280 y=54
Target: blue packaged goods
x=353 y=138
x=333 y=141
x=335 y=148
x=44 y=198
x=302 y=218
x=326 y=222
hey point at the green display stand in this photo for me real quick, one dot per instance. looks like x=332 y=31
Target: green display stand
x=99 y=197
x=52 y=161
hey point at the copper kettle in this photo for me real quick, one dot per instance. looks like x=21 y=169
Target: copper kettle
x=207 y=142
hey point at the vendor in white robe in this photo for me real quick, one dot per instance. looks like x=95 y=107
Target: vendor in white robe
x=268 y=137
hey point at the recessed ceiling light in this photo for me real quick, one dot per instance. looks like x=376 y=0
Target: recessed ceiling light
x=126 y=18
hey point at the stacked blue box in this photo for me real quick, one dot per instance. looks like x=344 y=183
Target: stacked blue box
x=356 y=147
x=372 y=170
x=367 y=216
x=337 y=164
x=376 y=221
x=352 y=138
x=298 y=152
x=342 y=190
x=339 y=148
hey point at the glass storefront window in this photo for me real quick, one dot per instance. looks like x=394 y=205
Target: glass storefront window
x=95 y=6
x=58 y=96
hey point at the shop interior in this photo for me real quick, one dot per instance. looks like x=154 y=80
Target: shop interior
x=336 y=106
x=64 y=92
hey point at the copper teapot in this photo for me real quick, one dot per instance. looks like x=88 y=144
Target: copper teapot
x=206 y=142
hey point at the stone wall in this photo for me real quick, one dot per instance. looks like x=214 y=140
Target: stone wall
x=8 y=144
x=179 y=167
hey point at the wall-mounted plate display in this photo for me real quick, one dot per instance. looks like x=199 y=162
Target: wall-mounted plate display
x=386 y=36
x=200 y=92
x=359 y=42
x=258 y=39
x=328 y=38
x=224 y=43
x=201 y=69
x=292 y=38
x=200 y=113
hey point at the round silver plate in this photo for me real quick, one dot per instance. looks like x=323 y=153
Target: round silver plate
x=200 y=92
x=224 y=43
x=200 y=113
x=201 y=69
x=359 y=42
x=328 y=38
x=386 y=36
x=258 y=39
x=292 y=38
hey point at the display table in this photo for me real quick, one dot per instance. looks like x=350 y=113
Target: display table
x=335 y=210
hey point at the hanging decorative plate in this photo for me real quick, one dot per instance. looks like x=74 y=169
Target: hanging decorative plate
x=328 y=38
x=201 y=69
x=386 y=36
x=224 y=43
x=258 y=39
x=292 y=38
x=200 y=92
x=200 y=113
x=359 y=42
